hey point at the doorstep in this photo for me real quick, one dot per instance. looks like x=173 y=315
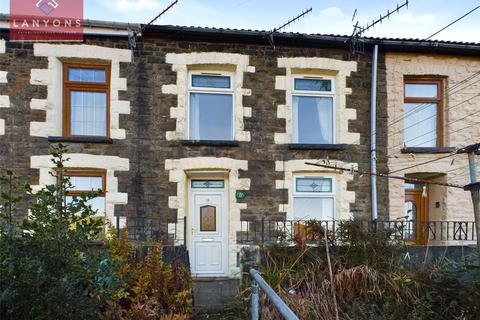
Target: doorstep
x=214 y=294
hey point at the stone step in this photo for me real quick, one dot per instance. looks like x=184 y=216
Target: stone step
x=215 y=295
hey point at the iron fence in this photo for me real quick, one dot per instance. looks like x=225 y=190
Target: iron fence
x=266 y=231
x=142 y=229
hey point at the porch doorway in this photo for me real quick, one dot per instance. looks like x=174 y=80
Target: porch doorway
x=416 y=212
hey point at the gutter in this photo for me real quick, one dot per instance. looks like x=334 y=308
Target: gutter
x=223 y=35
x=91 y=27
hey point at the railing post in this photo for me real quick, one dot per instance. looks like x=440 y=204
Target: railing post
x=279 y=304
x=263 y=230
x=118 y=226
x=185 y=231
x=255 y=301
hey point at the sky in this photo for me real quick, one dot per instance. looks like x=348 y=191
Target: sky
x=420 y=20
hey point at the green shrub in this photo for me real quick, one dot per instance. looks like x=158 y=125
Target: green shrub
x=59 y=264
x=48 y=266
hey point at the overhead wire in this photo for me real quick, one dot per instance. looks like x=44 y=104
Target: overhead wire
x=434 y=130
x=422 y=106
x=453 y=22
x=426 y=162
x=433 y=116
x=467 y=127
x=388 y=176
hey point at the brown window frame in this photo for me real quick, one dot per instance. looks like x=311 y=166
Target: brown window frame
x=84 y=87
x=87 y=173
x=439 y=101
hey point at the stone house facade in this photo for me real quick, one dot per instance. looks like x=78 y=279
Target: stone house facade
x=424 y=132
x=210 y=127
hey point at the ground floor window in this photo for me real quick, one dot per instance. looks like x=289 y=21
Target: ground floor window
x=85 y=182
x=314 y=197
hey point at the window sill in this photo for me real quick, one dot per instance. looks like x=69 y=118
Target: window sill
x=81 y=139
x=302 y=146
x=428 y=150
x=212 y=143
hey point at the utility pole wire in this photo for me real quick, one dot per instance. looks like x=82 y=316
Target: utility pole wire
x=433 y=131
x=467 y=127
x=426 y=162
x=450 y=90
x=383 y=175
x=453 y=22
x=434 y=116
x=132 y=34
x=158 y=16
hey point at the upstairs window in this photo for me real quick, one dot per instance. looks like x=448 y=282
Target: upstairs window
x=422 y=117
x=86 y=100
x=314 y=198
x=87 y=182
x=211 y=107
x=313 y=110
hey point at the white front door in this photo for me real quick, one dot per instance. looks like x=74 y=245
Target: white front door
x=208 y=220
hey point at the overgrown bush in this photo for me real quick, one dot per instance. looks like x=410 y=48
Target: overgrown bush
x=154 y=287
x=58 y=263
x=368 y=280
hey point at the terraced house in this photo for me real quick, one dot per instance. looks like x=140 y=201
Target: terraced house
x=203 y=136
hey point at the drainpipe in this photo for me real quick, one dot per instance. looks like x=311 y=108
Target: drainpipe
x=373 y=137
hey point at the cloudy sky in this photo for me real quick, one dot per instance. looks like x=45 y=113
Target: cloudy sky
x=420 y=20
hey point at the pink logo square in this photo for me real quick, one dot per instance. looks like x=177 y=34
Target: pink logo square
x=46 y=20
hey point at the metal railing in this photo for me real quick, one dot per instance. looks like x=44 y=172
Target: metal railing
x=142 y=229
x=259 y=283
x=266 y=231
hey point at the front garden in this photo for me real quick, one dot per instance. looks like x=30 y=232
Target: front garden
x=369 y=277
x=61 y=263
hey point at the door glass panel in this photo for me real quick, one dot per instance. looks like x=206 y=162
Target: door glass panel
x=208 y=219
x=410 y=216
x=410 y=210
x=413 y=186
x=208 y=184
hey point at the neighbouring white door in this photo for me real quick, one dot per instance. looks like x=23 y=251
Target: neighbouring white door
x=208 y=220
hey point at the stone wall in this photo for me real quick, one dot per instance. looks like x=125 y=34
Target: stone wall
x=147 y=148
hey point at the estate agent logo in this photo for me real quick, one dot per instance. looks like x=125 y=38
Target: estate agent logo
x=46 y=20
x=47 y=6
